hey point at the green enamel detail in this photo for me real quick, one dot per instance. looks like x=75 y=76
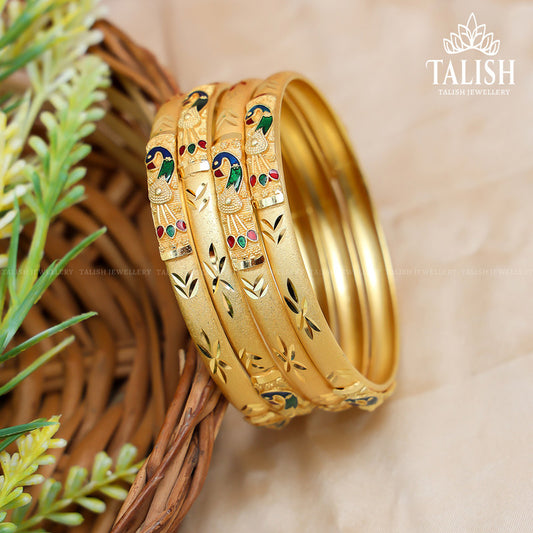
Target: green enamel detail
x=291 y=401
x=171 y=231
x=263 y=179
x=241 y=241
x=191 y=148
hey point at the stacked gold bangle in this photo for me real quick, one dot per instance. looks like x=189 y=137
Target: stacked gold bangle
x=275 y=254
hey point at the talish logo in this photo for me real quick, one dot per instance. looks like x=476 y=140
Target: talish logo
x=472 y=76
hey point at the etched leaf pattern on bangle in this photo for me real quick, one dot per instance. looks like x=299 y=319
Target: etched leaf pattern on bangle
x=217 y=365
x=287 y=355
x=471 y=37
x=215 y=269
x=274 y=230
x=227 y=305
x=255 y=289
x=187 y=286
x=198 y=199
x=293 y=303
x=252 y=361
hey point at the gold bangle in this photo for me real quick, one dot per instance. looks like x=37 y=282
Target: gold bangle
x=265 y=276
x=291 y=364
x=166 y=194
x=312 y=136
x=207 y=198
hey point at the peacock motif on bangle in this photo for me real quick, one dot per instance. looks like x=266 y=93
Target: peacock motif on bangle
x=189 y=121
x=259 y=116
x=166 y=208
x=259 y=119
x=261 y=162
x=229 y=202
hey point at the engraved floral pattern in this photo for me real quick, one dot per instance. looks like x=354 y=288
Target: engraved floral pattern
x=186 y=286
x=287 y=355
x=255 y=289
x=274 y=230
x=293 y=303
x=217 y=365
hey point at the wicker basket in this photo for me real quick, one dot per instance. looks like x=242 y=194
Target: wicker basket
x=125 y=378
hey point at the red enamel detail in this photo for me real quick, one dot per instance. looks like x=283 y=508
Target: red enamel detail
x=253 y=180
x=274 y=174
x=252 y=235
x=202 y=144
x=180 y=224
x=182 y=149
x=150 y=166
x=219 y=173
x=160 y=230
x=231 y=241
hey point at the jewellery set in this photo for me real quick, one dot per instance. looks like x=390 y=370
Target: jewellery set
x=273 y=249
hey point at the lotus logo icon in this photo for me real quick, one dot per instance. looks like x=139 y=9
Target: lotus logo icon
x=471 y=37
x=472 y=74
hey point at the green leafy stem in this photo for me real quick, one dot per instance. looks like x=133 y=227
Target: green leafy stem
x=55 y=500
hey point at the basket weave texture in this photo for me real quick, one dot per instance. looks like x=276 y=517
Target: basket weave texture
x=125 y=379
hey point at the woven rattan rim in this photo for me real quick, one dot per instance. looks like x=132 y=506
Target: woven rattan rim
x=125 y=378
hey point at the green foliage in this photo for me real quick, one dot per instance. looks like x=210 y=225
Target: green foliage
x=46 y=79
x=45 y=40
x=57 y=502
x=19 y=469
x=43 y=43
x=11 y=434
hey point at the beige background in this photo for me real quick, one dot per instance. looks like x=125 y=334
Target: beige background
x=452 y=180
